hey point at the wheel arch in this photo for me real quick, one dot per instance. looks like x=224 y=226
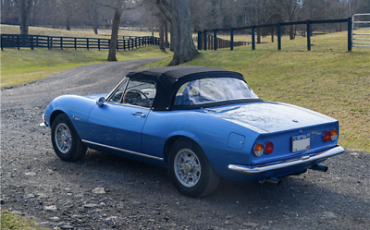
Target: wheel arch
x=54 y=115
x=171 y=141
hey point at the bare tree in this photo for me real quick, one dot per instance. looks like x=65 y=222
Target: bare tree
x=178 y=13
x=24 y=11
x=119 y=6
x=92 y=12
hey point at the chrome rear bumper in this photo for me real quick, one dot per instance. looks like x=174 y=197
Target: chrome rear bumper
x=305 y=159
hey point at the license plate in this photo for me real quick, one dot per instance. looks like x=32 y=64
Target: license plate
x=301 y=142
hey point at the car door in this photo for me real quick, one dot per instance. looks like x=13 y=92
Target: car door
x=120 y=121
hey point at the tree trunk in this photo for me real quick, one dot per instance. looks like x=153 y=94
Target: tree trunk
x=184 y=46
x=272 y=34
x=166 y=33
x=24 y=15
x=162 y=45
x=291 y=32
x=113 y=39
x=258 y=23
x=172 y=38
x=68 y=23
x=95 y=18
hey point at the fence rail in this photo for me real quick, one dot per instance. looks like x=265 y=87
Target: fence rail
x=54 y=42
x=203 y=39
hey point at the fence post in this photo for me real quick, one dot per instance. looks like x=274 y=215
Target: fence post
x=231 y=38
x=308 y=35
x=87 y=43
x=279 y=36
x=215 y=40
x=18 y=42
x=51 y=43
x=2 y=46
x=75 y=43
x=205 y=39
x=199 y=40
x=99 y=44
x=31 y=41
x=61 y=43
x=350 y=34
x=124 y=44
x=253 y=38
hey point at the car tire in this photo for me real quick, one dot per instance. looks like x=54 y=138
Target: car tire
x=190 y=170
x=66 y=143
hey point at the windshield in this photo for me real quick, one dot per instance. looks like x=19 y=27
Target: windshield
x=210 y=90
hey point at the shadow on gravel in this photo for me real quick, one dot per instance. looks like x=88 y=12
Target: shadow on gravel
x=291 y=198
x=312 y=200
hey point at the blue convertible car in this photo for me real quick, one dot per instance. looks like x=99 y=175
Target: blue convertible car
x=203 y=124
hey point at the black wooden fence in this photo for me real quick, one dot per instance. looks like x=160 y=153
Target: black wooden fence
x=203 y=38
x=210 y=42
x=54 y=42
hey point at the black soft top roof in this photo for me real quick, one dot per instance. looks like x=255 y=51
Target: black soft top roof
x=169 y=79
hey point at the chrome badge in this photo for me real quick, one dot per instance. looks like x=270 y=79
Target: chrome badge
x=296 y=121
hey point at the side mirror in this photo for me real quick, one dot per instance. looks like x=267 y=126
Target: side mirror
x=100 y=102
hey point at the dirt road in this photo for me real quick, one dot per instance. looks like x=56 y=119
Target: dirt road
x=104 y=191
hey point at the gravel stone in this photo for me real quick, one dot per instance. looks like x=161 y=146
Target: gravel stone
x=330 y=215
x=99 y=190
x=91 y=205
x=55 y=219
x=30 y=174
x=18 y=213
x=51 y=208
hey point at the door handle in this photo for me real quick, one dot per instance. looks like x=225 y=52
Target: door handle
x=138 y=114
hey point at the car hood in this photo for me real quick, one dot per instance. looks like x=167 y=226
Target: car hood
x=269 y=117
x=96 y=96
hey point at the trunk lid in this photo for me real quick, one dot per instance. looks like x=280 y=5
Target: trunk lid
x=270 y=117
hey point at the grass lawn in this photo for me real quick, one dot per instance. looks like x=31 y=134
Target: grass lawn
x=74 y=32
x=12 y=221
x=25 y=65
x=327 y=79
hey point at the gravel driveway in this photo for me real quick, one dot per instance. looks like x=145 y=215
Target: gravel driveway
x=104 y=191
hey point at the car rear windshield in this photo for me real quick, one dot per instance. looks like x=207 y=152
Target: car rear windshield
x=210 y=90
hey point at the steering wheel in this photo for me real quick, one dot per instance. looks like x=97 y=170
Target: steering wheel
x=130 y=90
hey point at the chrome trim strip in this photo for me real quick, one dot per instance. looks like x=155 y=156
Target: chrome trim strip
x=123 y=150
x=77 y=119
x=305 y=159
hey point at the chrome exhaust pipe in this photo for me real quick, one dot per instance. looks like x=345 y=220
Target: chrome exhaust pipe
x=320 y=168
x=274 y=180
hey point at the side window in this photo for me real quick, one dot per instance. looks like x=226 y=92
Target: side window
x=140 y=93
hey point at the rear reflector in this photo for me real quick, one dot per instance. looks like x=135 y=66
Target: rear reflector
x=327 y=136
x=269 y=147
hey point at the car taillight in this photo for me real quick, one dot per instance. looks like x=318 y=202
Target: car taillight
x=327 y=136
x=269 y=147
x=258 y=149
x=334 y=134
